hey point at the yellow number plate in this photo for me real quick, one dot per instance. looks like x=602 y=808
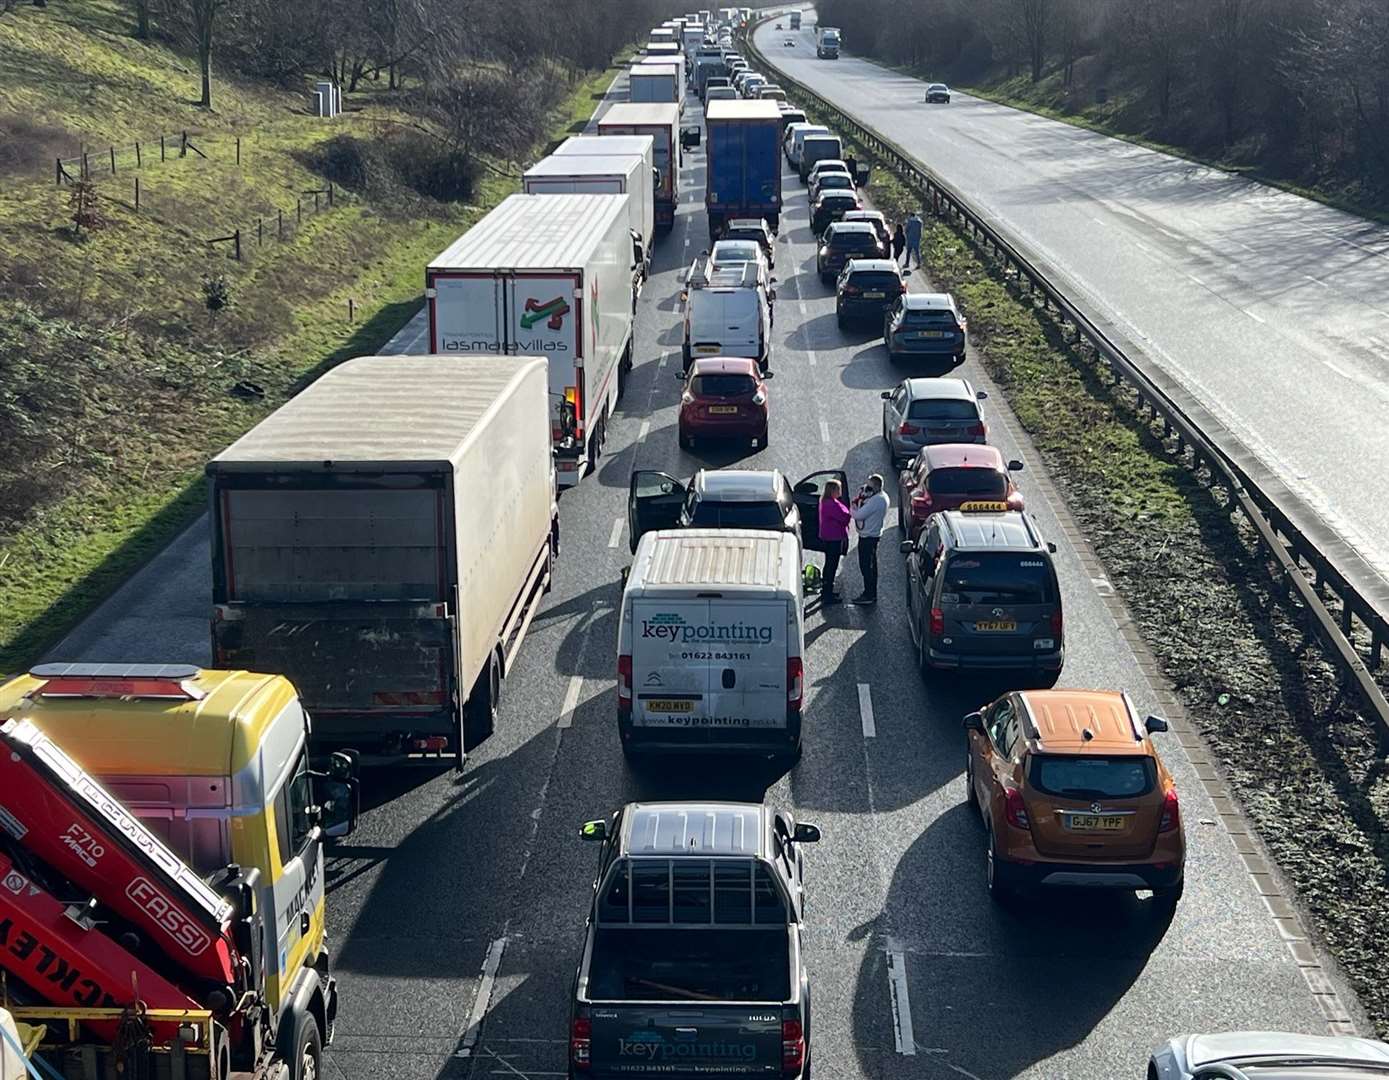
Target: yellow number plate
x=707 y=348
x=996 y=626
x=724 y=410
x=1095 y=822
x=979 y=507
x=670 y=706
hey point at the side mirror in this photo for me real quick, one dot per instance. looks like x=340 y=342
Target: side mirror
x=1015 y=466
x=1051 y=547
x=626 y=570
x=974 y=721
x=982 y=395
x=679 y=375
x=906 y=547
x=886 y=395
x=1155 y=725
x=339 y=807
x=806 y=833
x=594 y=830
x=769 y=374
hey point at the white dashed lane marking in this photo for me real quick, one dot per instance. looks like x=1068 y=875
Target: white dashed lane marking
x=865 y=710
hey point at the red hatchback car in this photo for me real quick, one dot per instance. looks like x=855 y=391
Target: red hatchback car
x=948 y=475
x=725 y=398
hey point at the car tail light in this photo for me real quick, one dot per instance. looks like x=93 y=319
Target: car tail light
x=581 y=1042
x=1171 y=812
x=921 y=503
x=1057 y=624
x=937 y=622
x=795 y=681
x=759 y=398
x=687 y=398
x=624 y=679
x=852 y=290
x=792 y=1046
x=908 y=429
x=979 y=429
x=1013 y=809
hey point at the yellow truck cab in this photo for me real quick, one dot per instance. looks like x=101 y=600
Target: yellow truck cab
x=215 y=764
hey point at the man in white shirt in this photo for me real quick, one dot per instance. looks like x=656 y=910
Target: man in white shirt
x=869 y=509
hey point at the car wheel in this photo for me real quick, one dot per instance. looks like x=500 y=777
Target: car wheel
x=971 y=799
x=1165 y=901
x=997 y=874
x=686 y=442
x=839 y=318
x=1046 y=680
x=923 y=651
x=480 y=711
x=308 y=1051
x=901 y=517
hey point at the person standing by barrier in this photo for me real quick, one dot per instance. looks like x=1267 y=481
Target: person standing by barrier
x=834 y=535
x=899 y=242
x=914 y=228
x=869 y=513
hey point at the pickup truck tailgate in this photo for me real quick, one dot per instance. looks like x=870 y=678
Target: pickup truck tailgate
x=698 y=1040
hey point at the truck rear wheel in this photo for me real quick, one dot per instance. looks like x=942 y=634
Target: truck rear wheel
x=480 y=712
x=308 y=1051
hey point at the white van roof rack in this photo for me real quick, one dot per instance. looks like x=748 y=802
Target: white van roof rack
x=702 y=274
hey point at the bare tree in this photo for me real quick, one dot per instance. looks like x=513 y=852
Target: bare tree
x=197 y=22
x=142 y=18
x=1036 y=21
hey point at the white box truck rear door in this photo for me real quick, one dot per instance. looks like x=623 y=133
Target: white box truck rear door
x=542 y=320
x=670 y=681
x=467 y=313
x=747 y=665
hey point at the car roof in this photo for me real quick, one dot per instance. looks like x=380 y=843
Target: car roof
x=723 y=365
x=995 y=530
x=962 y=456
x=937 y=85
x=697 y=829
x=852 y=228
x=825 y=164
x=840 y=193
x=864 y=215
x=1061 y=720
x=930 y=301
x=947 y=387
x=1238 y=1046
x=886 y=266
x=739 y=485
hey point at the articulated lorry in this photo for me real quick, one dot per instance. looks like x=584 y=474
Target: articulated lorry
x=827 y=42
x=385 y=537
x=162 y=909
x=662 y=124
x=547 y=277
x=614 y=174
x=743 y=162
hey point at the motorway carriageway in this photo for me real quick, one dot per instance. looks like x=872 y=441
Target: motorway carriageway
x=456 y=909
x=1273 y=310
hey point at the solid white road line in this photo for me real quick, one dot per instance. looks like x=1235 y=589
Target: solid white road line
x=1256 y=318
x=616 y=533
x=645 y=431
x=902 y=1033
x=484 y=997
x=571 y=701
x=810 y=357
x=824 y=432
x=865 y=708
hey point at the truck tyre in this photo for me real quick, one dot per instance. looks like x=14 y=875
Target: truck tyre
x=480 y=712
x=308 y=1052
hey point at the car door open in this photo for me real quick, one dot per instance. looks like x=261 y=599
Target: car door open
x=807 y=494
x=653 y=502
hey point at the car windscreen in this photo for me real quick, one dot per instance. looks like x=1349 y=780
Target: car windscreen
x=738 y=515
x=735 y=251
x=854 y=241
x=876 y=279
x=1089 y=776
x=942 y=409
x=975 y=483
x=832 y=181
x=722 y=385
x=997 y=578
x=936 y=86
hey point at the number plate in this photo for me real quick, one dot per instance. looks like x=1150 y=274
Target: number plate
x=724 y=410
x=874 y=295
x=996 y=626
x=707 y=348
x=1095 y=822
x=664 y=706
x=930 y=333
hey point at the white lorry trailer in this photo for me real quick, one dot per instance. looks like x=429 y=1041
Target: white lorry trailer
x=546 y=277
x=657 y=82
x=616 y=174
x=384 y=539
x=662 y=124
x=610 y=145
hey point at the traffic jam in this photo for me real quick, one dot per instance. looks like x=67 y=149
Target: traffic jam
x=164 y=910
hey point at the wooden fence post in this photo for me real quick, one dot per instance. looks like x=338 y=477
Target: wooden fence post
x=260 y=235
x=161 y=148
x=113 y=161
x=315 y=202
x=137 y=194
x=138 y=162
x=58 y=171
x=86 y=166
x=236 y=244
x=238 y=149
x=281 y=227
x=351 y=310
x=298 y=210
x=183 y=146
x=330 y=193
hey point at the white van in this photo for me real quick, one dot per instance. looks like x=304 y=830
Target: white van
x=799 y=133
x=732 y=320
x=710 y=643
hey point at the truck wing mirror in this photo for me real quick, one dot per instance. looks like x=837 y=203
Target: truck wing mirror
x=806 y=833
x=594 y=830
x=342 y=765
x=338 y=811
x=1015 y=466
x=906 y=547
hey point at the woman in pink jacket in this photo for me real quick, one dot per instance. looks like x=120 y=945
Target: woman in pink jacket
x=834 y=533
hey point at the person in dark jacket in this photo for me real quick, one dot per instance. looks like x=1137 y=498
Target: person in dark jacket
x=899 y=242
x=852 y=163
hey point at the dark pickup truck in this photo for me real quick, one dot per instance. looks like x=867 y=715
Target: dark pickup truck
x=692 y=962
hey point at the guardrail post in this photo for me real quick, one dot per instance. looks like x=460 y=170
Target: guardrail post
x=1376 y=648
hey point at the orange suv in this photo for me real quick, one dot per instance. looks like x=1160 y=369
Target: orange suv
x=1072 y=792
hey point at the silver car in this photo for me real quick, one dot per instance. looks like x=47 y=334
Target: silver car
x=1252 y=1055
x=923 y=412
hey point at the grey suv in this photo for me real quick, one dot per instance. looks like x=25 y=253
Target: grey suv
x=982 y=594
x=924 y=412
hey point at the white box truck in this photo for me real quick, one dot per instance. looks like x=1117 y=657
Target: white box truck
x=662 y=123
x=666 y=53
x=657 y=82
x=619 y=174
x=383 y=539
x=550 y=277
x=609 y=145
x=711 y=637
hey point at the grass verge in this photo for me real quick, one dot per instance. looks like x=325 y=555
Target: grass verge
x=1310 y=769
x=140 y=487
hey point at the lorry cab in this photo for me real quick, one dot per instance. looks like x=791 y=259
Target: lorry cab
x=215 y=764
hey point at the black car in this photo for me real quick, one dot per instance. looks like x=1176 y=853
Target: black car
x=982 y=595
x=829 y=207
x=845 y=240
x=938 y=94
x=694 y=952
x=866 y=288
x=751 y=229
